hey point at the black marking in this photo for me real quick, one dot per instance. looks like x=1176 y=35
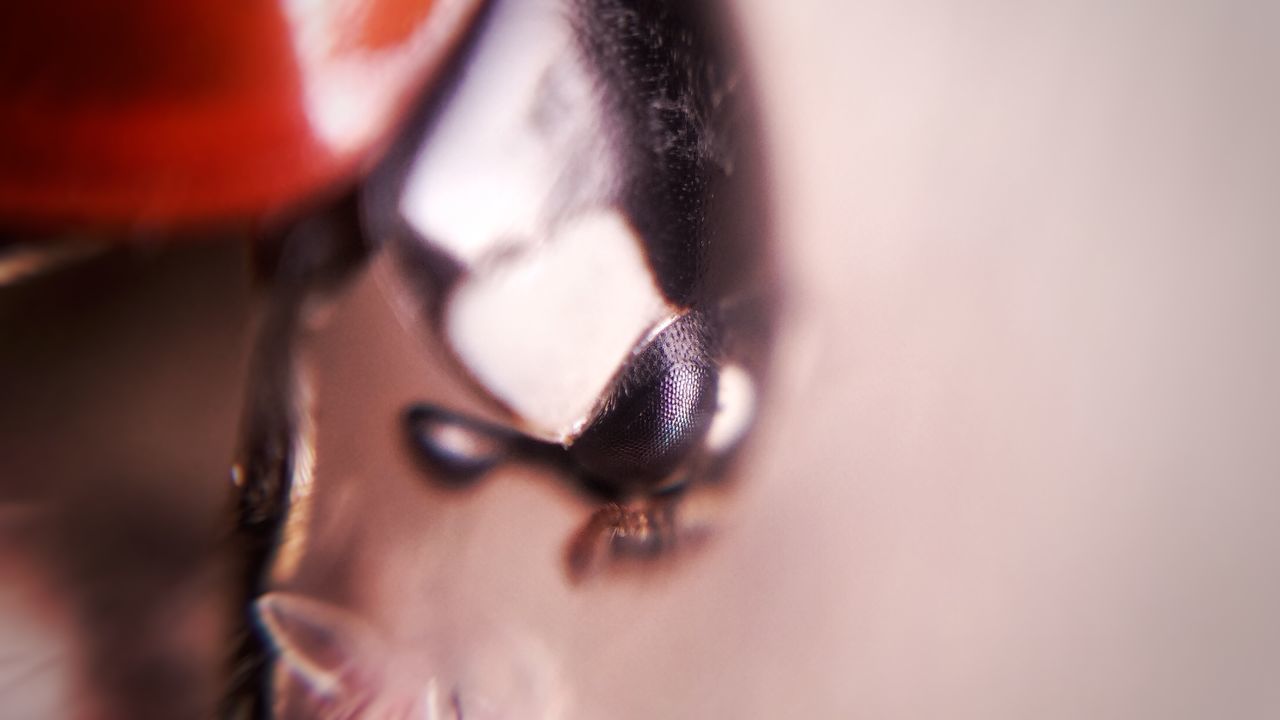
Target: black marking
x=657 y=412
x=667 y=81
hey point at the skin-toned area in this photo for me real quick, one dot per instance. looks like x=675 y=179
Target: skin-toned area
x=1025 y=461
x=1016 y=455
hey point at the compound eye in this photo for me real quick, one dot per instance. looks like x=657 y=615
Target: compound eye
x=658 y=411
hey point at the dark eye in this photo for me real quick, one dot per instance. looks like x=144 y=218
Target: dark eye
x=653 y=418
x=658 y=410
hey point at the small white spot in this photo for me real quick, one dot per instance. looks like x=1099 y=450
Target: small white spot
x=735 y=408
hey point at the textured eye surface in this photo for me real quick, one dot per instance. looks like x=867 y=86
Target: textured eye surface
x=659 y=409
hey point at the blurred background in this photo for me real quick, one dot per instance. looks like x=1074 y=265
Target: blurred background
x=1017 y=455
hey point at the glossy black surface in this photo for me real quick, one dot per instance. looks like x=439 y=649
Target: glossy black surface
x=657 y=412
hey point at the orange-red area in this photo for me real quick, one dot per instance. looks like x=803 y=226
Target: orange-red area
x=154 y=112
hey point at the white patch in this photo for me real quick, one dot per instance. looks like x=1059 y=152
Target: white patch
x=735 y=408
x=517 y=182
x=519 y=144
x=547 y=329
x=353 y=93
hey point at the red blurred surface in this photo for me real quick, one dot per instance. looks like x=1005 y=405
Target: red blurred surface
x=156 y=112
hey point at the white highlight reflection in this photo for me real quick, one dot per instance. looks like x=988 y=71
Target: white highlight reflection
x=352 y=92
